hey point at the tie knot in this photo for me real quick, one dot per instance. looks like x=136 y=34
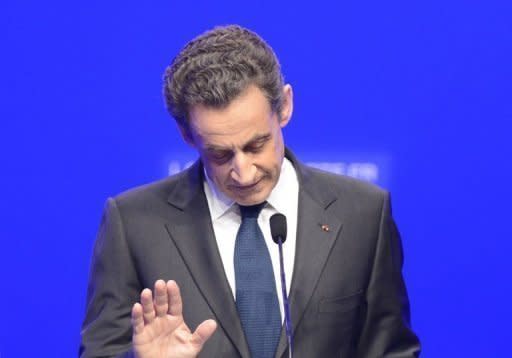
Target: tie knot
x=252 y=211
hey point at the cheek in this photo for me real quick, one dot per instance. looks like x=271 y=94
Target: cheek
x=218 y=174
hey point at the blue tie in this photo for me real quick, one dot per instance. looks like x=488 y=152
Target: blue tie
x=256 y=294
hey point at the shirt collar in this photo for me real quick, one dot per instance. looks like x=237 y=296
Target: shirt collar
x=220 y=203
x=286 y=186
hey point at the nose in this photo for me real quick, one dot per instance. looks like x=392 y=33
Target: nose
x=243 y=171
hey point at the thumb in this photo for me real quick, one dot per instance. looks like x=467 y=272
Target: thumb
x=203 y=332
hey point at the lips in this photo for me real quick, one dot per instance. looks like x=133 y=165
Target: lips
x=245 y=187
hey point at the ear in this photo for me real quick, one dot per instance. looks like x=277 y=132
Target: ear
x=287 y=110
x=186 y=134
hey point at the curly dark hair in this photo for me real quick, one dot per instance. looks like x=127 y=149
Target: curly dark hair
x=216 y=67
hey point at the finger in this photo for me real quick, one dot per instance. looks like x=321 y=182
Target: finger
x=175 y=304
x=203 y=332
x=137 y=319
x=161 y=301
x=148 y=309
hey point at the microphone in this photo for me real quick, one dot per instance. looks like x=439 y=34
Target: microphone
x=278 y=232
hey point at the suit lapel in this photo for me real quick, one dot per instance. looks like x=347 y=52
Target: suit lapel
x=193 y=235
x=317 y=231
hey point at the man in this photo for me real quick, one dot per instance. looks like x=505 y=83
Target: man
x=189 y=237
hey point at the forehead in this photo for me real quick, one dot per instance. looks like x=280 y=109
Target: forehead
x=246 y=116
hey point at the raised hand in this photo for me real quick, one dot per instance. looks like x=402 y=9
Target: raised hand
x=159 y=330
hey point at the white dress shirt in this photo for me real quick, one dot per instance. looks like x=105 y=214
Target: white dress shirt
x=226 y=220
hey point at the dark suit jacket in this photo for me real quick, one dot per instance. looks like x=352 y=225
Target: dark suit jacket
x=347 y=294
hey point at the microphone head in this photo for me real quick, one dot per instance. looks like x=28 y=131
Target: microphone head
x=278 y=227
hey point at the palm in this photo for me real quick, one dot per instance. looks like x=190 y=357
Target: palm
x=159 y=330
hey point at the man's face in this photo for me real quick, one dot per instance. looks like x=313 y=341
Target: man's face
x=241 y=146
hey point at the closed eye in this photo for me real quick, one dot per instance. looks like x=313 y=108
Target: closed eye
x=256 y=145
x=219 y=156
x=254 y=148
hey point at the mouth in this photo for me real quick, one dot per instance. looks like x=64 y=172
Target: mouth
x=245 y=188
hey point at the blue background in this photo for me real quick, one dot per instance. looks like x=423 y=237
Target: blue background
x=421 y=89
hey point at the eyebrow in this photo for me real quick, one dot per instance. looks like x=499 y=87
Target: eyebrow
x=258 y=138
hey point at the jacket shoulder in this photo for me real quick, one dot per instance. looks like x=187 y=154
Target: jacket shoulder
x=341 y=185
x=152 y=193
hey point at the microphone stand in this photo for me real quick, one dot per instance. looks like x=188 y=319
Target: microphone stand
x=287 y=319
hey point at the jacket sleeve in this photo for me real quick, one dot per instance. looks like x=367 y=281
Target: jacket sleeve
x=112 y=290
x=387 y=331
